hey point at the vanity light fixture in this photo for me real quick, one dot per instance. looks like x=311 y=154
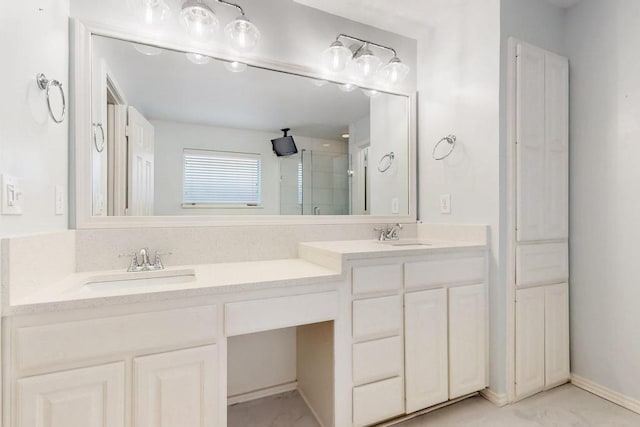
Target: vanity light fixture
x=152 y=12
x=345 y=136
x=197 y=58
x=201 y=23
x=362 y=61
x=198 y=19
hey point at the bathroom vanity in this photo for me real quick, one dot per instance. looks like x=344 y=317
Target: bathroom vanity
x=383 y=329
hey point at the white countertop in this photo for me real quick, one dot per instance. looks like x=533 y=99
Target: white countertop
x=319 y=262
x=71 y=291
x=334 y=253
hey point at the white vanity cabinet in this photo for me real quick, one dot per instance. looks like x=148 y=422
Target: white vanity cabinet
x=87 y=397
x=176 y=389
x=419 y=332
x=143 y=365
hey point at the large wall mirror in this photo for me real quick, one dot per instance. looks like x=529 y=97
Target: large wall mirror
x=180 y=134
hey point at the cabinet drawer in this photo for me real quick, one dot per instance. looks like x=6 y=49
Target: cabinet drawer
x=377 y=317
x=378 y=401
x=378 y=278
x=442 y=271
x=45 y=346
x=247 y=317
x=542 y=264
x=377 y=360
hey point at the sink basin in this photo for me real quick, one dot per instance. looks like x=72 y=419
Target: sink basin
x=139 y=279
x=416 y=243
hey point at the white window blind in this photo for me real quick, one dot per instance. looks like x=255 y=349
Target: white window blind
x=220 y=177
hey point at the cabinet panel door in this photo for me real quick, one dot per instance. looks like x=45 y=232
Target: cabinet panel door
x=467 y=340
x=530 y=149
x=529 y=341
x=556 y=325
x=426 y=365
x=556 y=216
x=176 y=389
x=89 y=397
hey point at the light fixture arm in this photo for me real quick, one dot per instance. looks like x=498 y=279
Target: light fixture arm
x=364 y=43
x=237 y=6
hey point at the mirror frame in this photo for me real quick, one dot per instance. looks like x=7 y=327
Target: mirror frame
x=80 y=150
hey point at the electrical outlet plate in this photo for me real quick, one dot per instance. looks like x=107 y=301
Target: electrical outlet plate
x=12 y=198
x=395 y=205
x=445 y=204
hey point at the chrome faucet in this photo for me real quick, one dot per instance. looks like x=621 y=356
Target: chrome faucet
x=389 y=233
x=145 y=265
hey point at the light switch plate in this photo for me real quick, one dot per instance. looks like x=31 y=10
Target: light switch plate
x=59 y=200
x=395 y=206
x=445 y=204
x=12 y=197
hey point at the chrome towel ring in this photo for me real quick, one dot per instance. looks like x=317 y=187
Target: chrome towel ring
x=386 y=161
x=451 y=140
x=99 y=147
x=46 y=85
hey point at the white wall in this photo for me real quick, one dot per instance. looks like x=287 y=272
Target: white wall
x=32 y=147
x=389 y=132
x=542 y=24
x=458 y=84
x=171 y=138
x=603 y=41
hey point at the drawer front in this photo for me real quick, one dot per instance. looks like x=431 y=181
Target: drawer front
x=377 y=402
x=46 y=346
x=542 y=264
x=377 y=317
x=377 y=360
x=442 y=271
x=247 y=317
x=378 y=278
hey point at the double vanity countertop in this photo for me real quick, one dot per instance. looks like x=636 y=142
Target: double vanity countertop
x=318 y=263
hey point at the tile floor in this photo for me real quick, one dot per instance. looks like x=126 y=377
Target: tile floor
x=563 y=406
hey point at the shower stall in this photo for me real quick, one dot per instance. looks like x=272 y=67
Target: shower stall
x=315 y=183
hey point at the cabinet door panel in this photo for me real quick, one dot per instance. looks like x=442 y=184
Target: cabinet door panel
x=426 y=364
x=556 y=334
x=89 y=397
x=530 y=150
x=467 y=340
x=529 y=341
x=556 y=218
x=176 y=389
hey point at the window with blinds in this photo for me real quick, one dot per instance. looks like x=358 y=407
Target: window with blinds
x=221 y=178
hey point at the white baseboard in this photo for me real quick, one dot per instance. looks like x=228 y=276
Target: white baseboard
x=606 y=393
x=259 y=394
x=498 y=399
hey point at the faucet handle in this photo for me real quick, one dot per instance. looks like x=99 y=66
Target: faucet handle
x=134 y=265
x=157 y=262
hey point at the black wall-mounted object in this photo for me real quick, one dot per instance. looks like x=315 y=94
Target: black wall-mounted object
x=284 y=146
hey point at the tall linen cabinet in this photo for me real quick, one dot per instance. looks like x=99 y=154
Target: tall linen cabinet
x=539 y=230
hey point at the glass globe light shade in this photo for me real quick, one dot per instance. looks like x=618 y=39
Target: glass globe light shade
x=152 y=13
x=197 y=58
x=235 y=66
x=199 y=20
x=242 y=34
x=366 y=64
x=145 y=49
x=395 y=71
x=336 y=57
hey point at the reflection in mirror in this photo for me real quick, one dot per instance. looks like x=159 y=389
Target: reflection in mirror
x=185 y=134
